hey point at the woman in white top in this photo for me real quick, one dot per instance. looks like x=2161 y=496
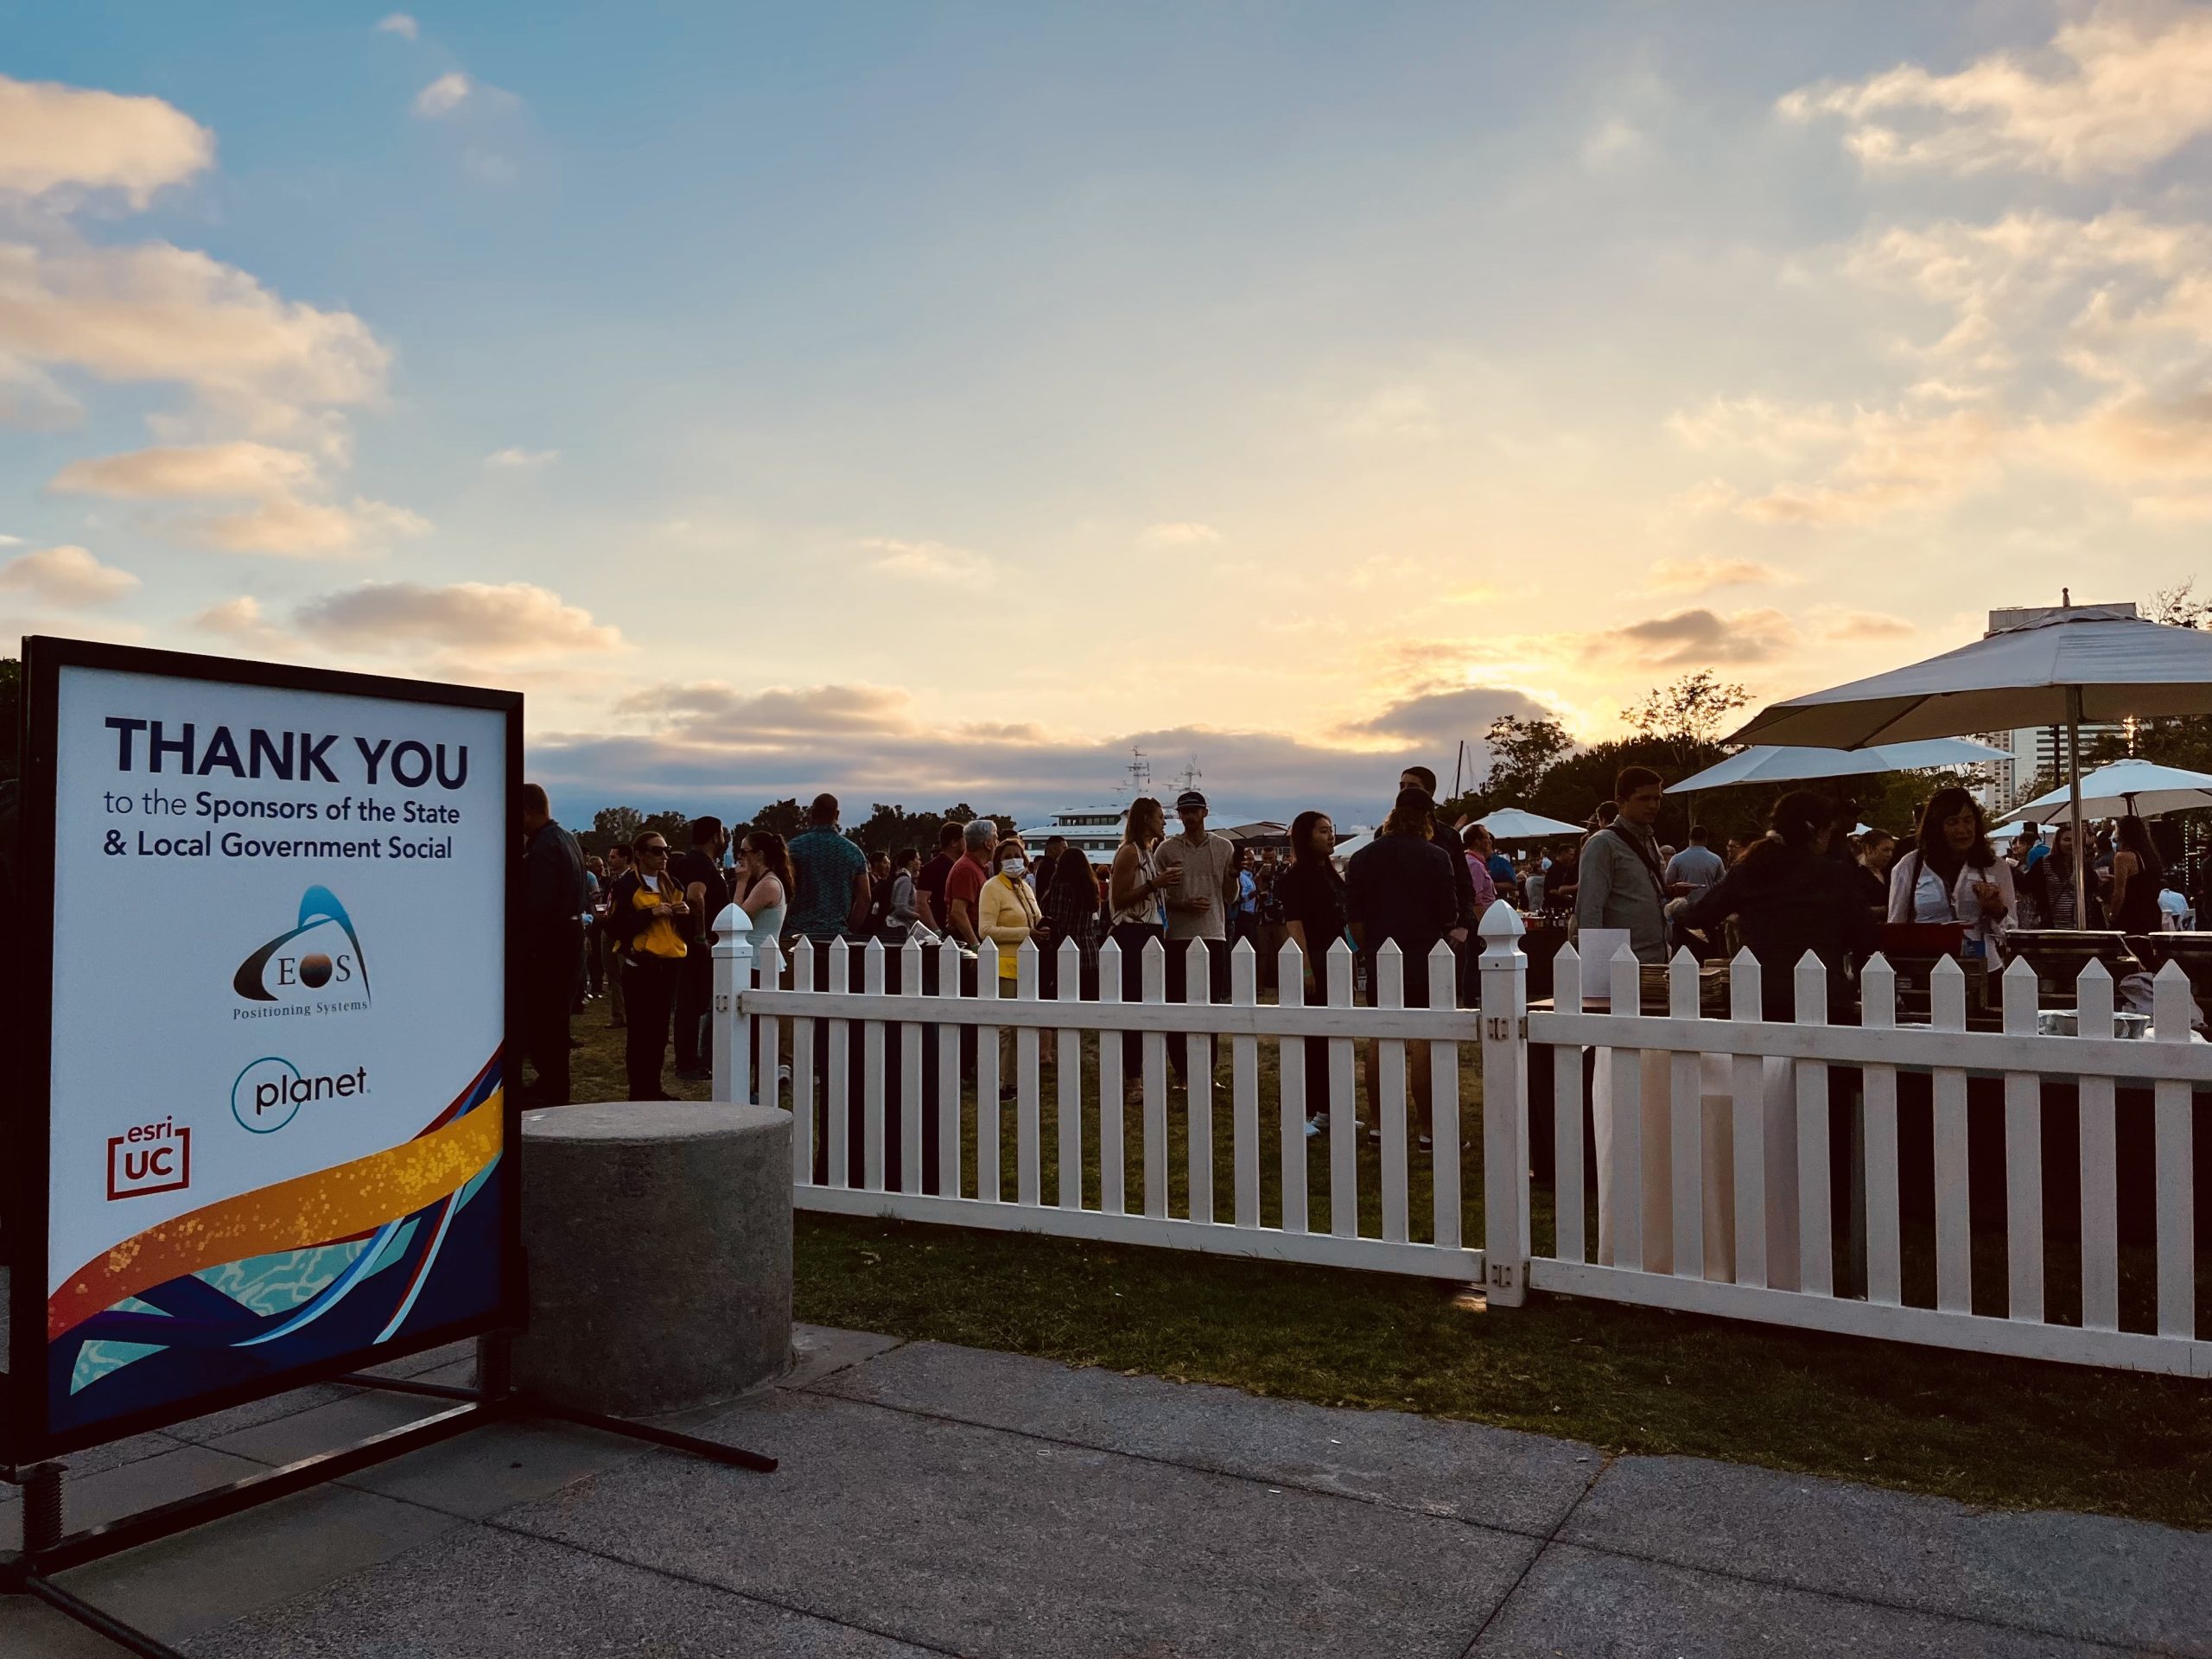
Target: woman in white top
x=763 y=887
x=1136 y=913
x=1953 y=875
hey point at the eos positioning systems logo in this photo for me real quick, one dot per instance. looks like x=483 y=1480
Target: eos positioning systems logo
x=268 y=1093
x=318 y=960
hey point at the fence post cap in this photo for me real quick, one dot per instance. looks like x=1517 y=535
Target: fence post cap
x=1500 y=923
x=732 y=925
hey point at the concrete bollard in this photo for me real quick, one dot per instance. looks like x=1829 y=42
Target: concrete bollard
x=659 y=1243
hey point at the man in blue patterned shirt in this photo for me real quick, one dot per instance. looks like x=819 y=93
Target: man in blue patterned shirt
x=830 y=875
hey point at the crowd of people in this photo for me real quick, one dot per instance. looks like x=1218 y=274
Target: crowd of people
x=631 y=931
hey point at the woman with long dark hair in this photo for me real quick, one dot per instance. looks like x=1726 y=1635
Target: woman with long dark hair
x=1313 y=897
x=1953 y=875
x=2136 y=869
x=763 y=887
x=1788 y=896
x=2047 y=890
x=1071 y=911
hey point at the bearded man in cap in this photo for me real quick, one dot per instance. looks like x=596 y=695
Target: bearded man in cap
x=1200 y=899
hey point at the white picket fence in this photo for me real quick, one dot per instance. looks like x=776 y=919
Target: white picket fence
x=1714 y=1183
x=1087 y=1108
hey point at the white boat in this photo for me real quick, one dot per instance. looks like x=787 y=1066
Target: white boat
x=1096 y=831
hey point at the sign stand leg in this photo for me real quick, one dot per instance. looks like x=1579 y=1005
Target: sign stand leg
x=47 y=1550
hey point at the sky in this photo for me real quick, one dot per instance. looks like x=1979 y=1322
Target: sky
x=935 y=402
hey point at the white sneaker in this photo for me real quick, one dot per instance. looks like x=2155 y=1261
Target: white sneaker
x=1312 y=1128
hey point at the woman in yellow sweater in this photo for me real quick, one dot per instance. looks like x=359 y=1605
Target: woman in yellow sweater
x=1007 y=912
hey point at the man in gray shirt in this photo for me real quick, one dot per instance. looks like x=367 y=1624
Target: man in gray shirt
x=1621 y=883
x=1198 y=903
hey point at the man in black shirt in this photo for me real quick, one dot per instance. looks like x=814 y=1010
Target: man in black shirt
x=931 y=882
x=1398 y=890
x=706 y=891
x=554 y=900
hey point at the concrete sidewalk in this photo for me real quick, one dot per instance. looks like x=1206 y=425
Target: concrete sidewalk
x=944 y=1500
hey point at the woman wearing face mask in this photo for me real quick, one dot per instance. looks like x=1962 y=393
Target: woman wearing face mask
x=1007 y=913
x=1953 y=875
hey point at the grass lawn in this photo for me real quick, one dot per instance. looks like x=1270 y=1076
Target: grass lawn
x=1982 y=1430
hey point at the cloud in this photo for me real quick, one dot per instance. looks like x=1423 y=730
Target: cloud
x=157 y=312
x=2112 y=94
x=927 y=560
x=288 y=527
x=283 y=518
x=511 y=620
x=722 y=747
x=1699 y=638
x=1614 y=145
x=239 y=622
x=1859 y=625
x=52 y=136
x=69 y=577
x=1393 y=412
x=1703 y=573
x=443 y=96
x=401 y=24
x=521 y=460
x=1445 y=716
x=1180 y=535
x=188 y=470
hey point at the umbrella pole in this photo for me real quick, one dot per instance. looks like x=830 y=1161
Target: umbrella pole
x=2080 y=829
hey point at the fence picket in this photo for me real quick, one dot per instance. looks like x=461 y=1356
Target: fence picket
x=1244 y=1062
x=990 y=1177
x=910 y=1075
x=1747 y=1106
x=2170 y=1136
x=1067 y=1051
x=1390 y=1087
x=768 y=969
x=1947 y=998
x=1816 y=1228
x=872 y=1093
x=1290 y=1057
x=1343 y=1107
x=1570 y=1240
x=1444 y=1106
x=804 y=1125
x=1877 y=996
x=1112 y=1194
x=1686 y=1108
x=1028 y=1155
x=1155 y=1086
x=2023 y=1156
x=1626 y=1223
x=2099 y=1160
x=948 y=1075
x=837 y=1108
x=1198 y=1082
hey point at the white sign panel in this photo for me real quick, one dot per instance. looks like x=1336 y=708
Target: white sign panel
x=278 y=1001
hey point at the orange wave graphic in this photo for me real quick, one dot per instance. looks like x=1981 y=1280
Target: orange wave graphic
x=338 y=1203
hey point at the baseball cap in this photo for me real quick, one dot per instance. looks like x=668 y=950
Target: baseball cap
x=1191 y=800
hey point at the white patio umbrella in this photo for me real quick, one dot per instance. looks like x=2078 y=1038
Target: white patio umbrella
x=2142 y=787
x=2073 y=665
x=1511 y=823
x=1768 y=763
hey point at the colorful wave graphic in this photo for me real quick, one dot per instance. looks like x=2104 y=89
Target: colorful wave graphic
x=324 y=1265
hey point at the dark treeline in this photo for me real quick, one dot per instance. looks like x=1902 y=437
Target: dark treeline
x=886 y=828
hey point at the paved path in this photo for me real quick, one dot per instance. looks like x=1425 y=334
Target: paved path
x=938 y=1500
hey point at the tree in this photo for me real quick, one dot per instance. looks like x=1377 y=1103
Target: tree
x=671 y=826
x=611 y=826
x=2180 y=606
x=1521 y=753
x=1690 y=710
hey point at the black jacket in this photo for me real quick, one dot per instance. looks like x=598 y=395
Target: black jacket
x=554 y=895
x=1787 y=902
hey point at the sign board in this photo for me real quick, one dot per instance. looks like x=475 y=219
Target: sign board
x=261 y=1135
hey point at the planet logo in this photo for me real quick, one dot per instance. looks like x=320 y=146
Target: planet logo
x=322 y=952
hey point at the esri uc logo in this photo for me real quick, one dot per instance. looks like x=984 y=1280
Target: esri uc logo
x=316 y=966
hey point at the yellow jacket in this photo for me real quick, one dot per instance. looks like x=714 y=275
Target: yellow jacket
x=1006 y=910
